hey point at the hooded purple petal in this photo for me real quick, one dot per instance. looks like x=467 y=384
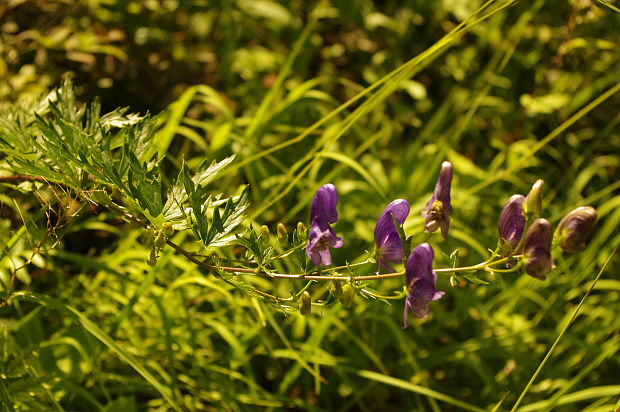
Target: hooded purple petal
x=537 y=249
x=421 y=282
x=511 y=224
x=387 y=241
x=321 y=235
x=324 y=204
x=575 y=227
x=438 y=208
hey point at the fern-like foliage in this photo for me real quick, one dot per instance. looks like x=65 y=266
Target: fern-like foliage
x=109 y=160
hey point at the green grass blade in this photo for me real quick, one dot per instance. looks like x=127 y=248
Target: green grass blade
x=608 y=4
x=543 y=142
x=399 y=383
x=5 y=398
x=267 y=102
x=561 y=334
x=102 y=336
x=344 y=159
x=579 y=396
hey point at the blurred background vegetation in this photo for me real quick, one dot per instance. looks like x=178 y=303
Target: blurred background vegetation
x=527 y=93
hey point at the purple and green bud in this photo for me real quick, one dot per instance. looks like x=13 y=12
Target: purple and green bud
x=511 y=224
x=321 y=236
x=574 y=228
x=438 y=208
x=537 y=249
x=532 y=205
x=387 y=241
x=421 y=280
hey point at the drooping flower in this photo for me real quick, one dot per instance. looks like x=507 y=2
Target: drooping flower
x=537 y=249
x=511 y=224
x=388 y=242
x=438 y=208
x=574 y=228
x=421 y=280
x=321 y=235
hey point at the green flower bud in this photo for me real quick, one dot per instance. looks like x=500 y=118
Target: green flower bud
x=264 y=234
x=148 y=236
x=305 y=303
x=574 y=228
x=301 y=228
x=336 y=288
x=282 y=234
x=152 y=258
x=532 y=204
x=168 y=229
x=348 y=296
x=160 y=239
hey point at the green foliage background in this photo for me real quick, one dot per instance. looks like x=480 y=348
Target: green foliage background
x=371 y=96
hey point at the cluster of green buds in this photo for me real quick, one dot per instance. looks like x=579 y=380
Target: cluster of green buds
x=344 y=293
x=158 y=238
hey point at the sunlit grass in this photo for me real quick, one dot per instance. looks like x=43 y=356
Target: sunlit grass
x=100 y=329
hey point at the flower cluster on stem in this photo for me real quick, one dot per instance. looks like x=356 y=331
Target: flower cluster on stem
x=525 y=242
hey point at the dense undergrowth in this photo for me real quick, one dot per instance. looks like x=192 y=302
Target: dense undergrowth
x=118 y=226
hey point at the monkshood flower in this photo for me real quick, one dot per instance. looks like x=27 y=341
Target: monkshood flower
x=511 y=224
x=388 y=242
x=537 y=249
x=421 y=280
x=321 y=235
x=438 y=208
x=574 y=228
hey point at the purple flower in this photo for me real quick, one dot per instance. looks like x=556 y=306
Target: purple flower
x=438 y=208
x=421 y=282
x=387 y=240
x=321 y=235
x=575 y=227
x=511 y=224
x=537 y=249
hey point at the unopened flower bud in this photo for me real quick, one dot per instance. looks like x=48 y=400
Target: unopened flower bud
x=305 y=303
x=511 y=224
x=348 y=296
x=574 y=228
x=301 y=228
x=282 y=234
x=152 y=258
x=532 y=204
x=537 y=249
x=264 y=234
x=160 y=239
x=148 y=236
x=336 y=288
x=168 y=229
